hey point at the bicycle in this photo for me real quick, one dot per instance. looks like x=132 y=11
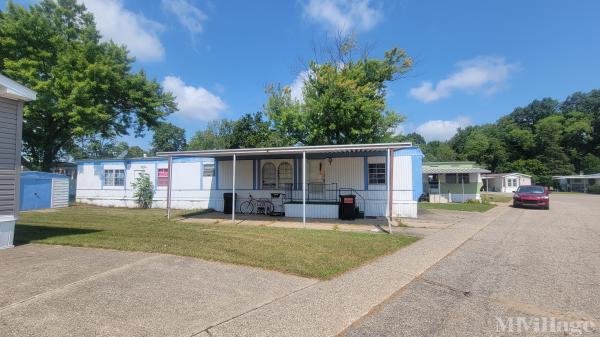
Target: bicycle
x=257 y=206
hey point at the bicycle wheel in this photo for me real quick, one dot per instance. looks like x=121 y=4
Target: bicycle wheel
x=247 y=207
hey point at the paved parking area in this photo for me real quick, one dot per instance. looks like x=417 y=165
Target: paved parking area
x=535 y=265
x=69 y=291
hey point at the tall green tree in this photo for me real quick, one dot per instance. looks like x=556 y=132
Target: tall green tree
x=135 y=152
x=216 y=135
x=344 y=100
x=537 y=110
x=249 y=131
x=438 y=151
x=168 y=137
x=549 y=133
x=86 y=88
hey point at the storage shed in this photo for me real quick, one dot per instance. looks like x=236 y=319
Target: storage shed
x=12 y=96
x=43 y=190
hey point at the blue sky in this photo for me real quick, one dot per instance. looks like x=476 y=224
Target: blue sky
x=475 y=60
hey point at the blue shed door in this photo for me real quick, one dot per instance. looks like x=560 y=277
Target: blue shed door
x=36 y=193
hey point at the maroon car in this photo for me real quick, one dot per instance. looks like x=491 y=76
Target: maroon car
x=532 y=196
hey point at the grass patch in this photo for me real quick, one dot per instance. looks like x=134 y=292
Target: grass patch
x=496 y=198
x=312 y=253
x=466 y=207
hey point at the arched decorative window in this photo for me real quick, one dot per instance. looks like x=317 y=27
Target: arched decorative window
x=284 y=175
x=269 y=179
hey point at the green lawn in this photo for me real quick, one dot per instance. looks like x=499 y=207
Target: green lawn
x=496 y=197
x=467 y=206
x=312 y=253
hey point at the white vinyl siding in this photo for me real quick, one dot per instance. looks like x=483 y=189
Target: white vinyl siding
x=60 y=192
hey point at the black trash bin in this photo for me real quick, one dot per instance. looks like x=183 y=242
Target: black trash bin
x=227 y=202
x=347 y=207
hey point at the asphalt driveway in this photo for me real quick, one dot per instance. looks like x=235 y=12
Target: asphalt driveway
x=69 y=291
x=531 y=264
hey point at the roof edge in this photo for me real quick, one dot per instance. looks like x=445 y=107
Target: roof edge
x=14 y=90
x=289 y=149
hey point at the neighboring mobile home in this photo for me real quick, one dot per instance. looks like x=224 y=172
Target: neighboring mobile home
x=576 y=183
x=456 y=181
x=12 y=96
x=505 y=182
x=384 y=179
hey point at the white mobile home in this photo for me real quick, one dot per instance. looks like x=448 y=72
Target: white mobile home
x=384 y=179
x=505 y=182
x=12 y=96
x=576 y=183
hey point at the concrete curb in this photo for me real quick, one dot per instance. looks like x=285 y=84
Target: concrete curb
x=327 y=308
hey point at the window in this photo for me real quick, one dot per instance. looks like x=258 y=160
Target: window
x=163 y=177
x=463 y=178
x=377 y=173
x=114 y=177
x=591 y=182
x=451 y=178
x=269 y=176
x=208 y=170
x=509 y=183
x=515 y=183
x=284 y=175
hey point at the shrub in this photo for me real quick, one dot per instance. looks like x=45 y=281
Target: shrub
x=144 y=191
x=594 y=189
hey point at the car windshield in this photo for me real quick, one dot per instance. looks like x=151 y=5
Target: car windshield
x=531 y=189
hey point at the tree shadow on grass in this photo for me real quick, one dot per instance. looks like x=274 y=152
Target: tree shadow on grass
x=28 y=233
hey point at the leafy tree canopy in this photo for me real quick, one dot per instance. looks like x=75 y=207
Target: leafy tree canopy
x=343 y=99
x=168 y=137
x=249 y=131
x=85 y=87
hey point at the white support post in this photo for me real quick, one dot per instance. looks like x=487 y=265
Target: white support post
x=304 y=189
x=170 y=171
x=233 y=192
x=389 y=189
x=462 y=182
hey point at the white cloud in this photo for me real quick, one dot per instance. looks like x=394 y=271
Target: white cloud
x=190 y=16
x=441 y=129
x=344 y=15
x=484 y=74
x=298 y=84
x=194 y=102
x=122 y=26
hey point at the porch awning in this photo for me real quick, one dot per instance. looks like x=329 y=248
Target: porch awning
x=442 y=170
x=291 y=150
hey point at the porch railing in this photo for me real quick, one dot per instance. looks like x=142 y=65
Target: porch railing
x=315 y=192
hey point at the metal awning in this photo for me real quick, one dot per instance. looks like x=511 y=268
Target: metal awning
x=386 y=148
x=298 y=150
x=442 y=170
x=585 y=176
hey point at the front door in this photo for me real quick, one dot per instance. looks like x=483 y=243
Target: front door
x=316 y=180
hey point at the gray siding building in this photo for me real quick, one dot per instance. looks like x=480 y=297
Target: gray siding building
x=12 y=96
